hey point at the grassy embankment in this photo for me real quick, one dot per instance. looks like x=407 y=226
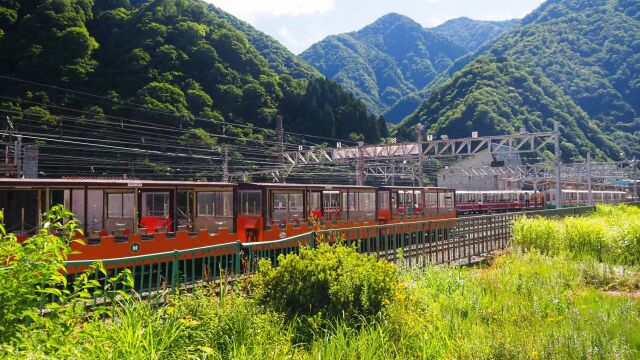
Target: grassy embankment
x=565 y=291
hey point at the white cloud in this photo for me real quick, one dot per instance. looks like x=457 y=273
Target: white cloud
x=250 y=9
x=285 y=36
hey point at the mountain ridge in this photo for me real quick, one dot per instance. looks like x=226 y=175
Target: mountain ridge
x=589 y=50
x=391 y=59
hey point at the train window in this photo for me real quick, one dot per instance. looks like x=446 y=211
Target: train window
x=365 y=201
x=314 y=201
x=410 y=199
x=155 y=204
x=60 y=197
x=331 y=200
x=251 y=202
x=120 y=205
x=295 y=202
x=383 y=200
x=184 y=205
x=448 y=199
x=280 y=201
x=441 y=199
x=287 y=206
x=77 y=204
x=94 y=210
x=20 y=209
x=72 y=200
x=353 y=199
x=432 y=200
x=219 y=203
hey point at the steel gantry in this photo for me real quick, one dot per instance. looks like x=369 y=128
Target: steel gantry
x=379 y=159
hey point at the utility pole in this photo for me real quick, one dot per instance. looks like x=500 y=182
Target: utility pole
x=419 y=130
x=556 y=130
x=589 y=180
x=280 y=140
x=225 y=164
x=393 y=173
x=535 y=186
x=18 y=156
x=360 y=165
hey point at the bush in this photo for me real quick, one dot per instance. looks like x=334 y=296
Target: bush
x=31 y=269
x=33 y=281
x=331 y=282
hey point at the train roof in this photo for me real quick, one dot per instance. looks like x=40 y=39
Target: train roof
x=308 y=186
x=109 y=182
x=415 y=187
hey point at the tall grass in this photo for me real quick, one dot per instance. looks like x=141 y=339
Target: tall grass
x=611 y=235
x=550 y=302
x=524 y=306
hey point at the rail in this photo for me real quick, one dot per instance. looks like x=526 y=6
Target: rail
x=459 y=240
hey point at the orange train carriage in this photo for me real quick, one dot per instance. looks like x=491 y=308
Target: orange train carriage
x=122 y=218
x=271 y=211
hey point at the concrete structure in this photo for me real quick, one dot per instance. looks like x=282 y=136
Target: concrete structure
x=476 y=172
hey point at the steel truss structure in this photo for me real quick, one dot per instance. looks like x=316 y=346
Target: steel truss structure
x=411 y=151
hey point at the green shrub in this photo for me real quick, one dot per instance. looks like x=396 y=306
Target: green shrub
x=33 y=281
x=31 y=269
x=330 y=281
x=229 y=327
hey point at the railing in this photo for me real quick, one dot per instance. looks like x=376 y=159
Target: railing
x=459 y=241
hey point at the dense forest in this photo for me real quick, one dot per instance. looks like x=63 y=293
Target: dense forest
x=499 y=96
x=590 y=49
x=470 y=33
x=180 y=63
x=388 y=62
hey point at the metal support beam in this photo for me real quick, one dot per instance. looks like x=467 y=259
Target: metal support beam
x=556 y=134
x=590 y=181
x=419 y=130
x=360 y=166
x=280 y=140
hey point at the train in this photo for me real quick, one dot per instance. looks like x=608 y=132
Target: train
x=486 y=202
x=122 y=218
x=126 y=217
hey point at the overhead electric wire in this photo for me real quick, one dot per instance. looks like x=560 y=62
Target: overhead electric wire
x=142 y=107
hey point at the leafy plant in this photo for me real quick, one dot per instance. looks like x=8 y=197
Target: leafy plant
x=332 y=281
x=34 y=291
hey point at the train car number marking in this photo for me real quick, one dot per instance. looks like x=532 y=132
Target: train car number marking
x=135 y=247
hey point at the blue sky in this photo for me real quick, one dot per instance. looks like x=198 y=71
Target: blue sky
x=299 y=23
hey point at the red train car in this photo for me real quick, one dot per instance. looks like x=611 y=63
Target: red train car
x=486 y=202
x=271 y=211
x=122 y=218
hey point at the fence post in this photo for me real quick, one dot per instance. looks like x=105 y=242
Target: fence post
x=174 y=272
x=238 y=263
x=312 y=239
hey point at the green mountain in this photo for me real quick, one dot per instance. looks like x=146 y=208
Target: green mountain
x=498 y=96
x=181 y=63
x=385 y=64
x=589 y=49
x=471 y=34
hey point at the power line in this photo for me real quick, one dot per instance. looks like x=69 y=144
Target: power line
x=142 y=107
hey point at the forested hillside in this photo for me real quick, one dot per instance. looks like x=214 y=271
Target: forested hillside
x=499 y=96
x=590 y=49
x=179 y=63
x=471 y=34
x=385 y=64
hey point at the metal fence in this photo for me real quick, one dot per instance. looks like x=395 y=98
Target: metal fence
x=459 y=241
